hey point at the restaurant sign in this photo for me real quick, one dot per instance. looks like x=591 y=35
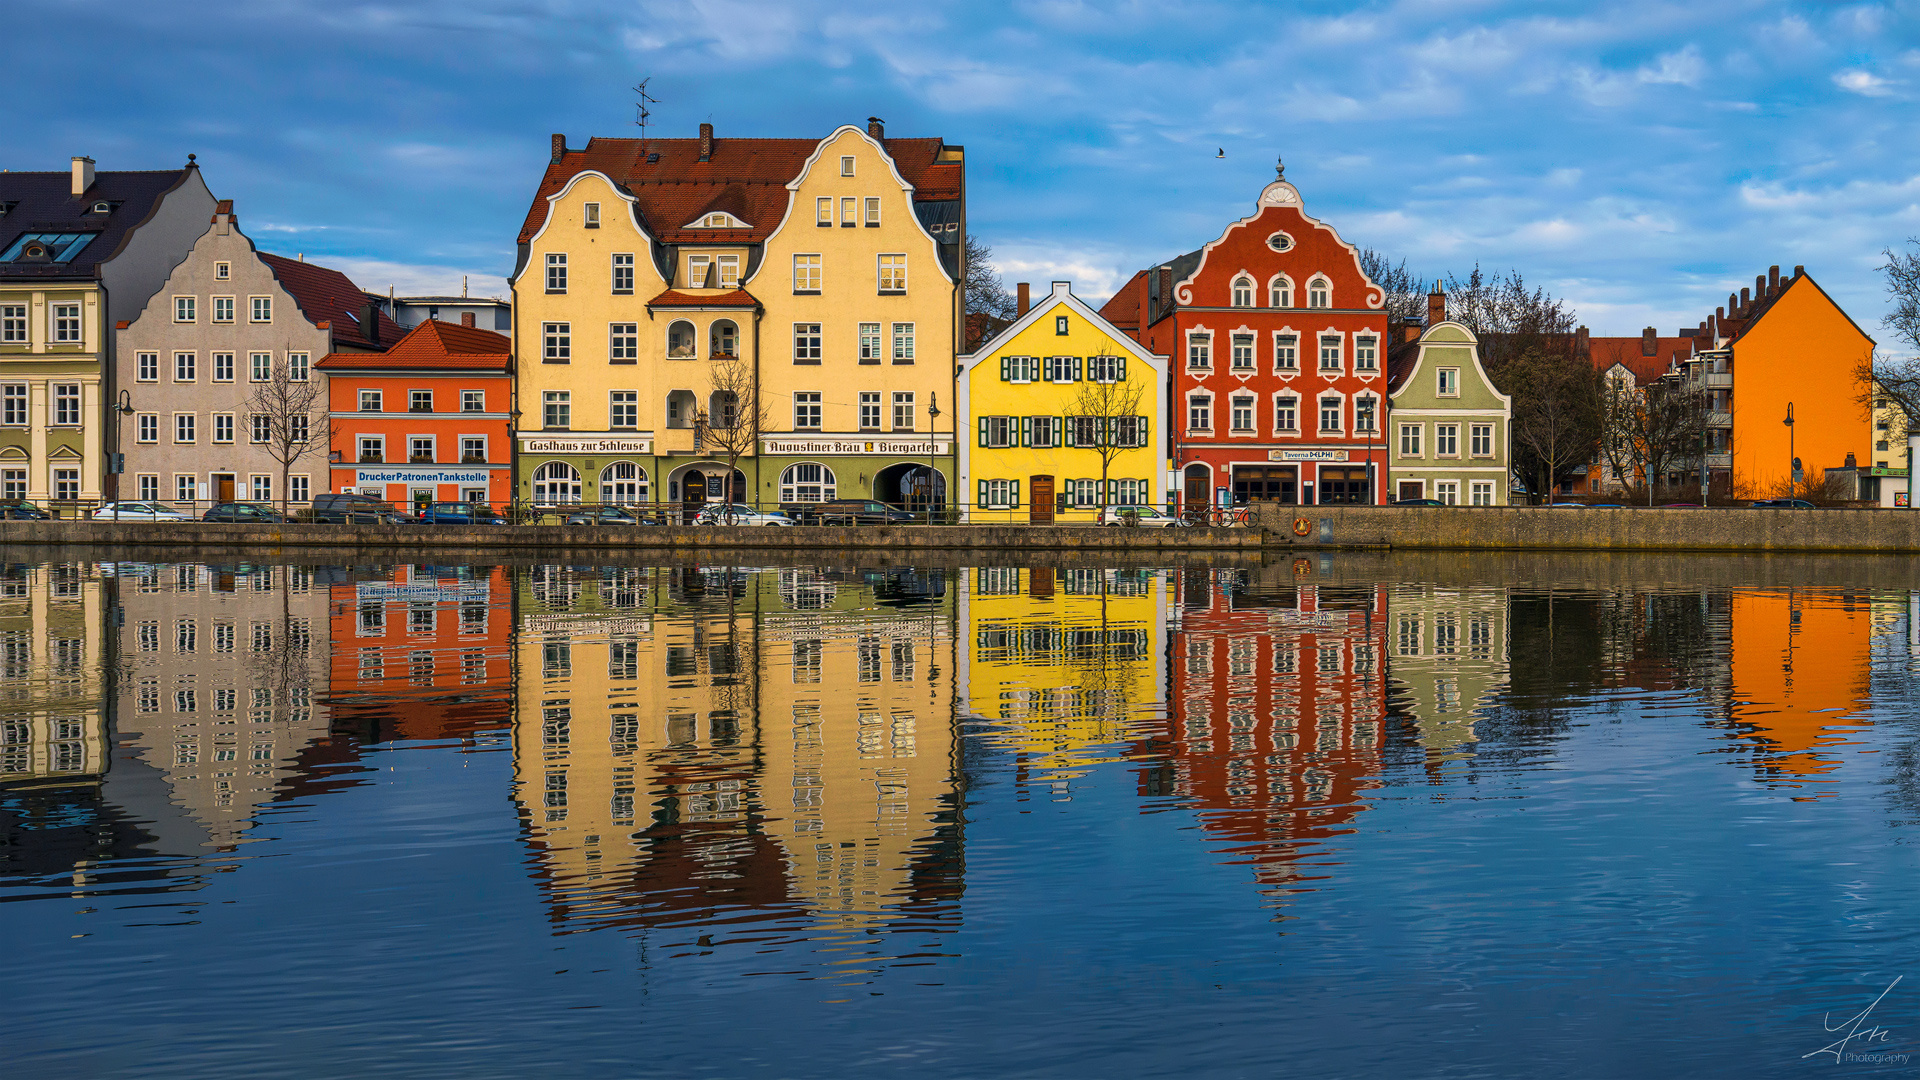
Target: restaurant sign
x=542 y=445
x=1306 y=455
x=909 y=447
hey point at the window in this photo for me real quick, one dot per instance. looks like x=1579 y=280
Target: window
x=373 y=448
x=1045 y=431
x=183 y=367
x=66 y=484
x=1330 y=352
x=369 y=401
x=697 y=271
x=1410 y=440
x=183 y=427
x=680 y=340
x=473 y=401
x=869 y=342
x=557 y=409
x=1482 y=492
x=298 y=363
x=1482 y=441
x=260 y=366
x=147 y=428
x=903 y=412
x=623 y=273
x=15 y=397
x=1242 y=292
x=623 y=343
x=223 y=427
x=556 y=273
x=869 y=411
x=806 y=343
x=1446 y=440
x=1366 y=353
x=903 y=343
x=1449 y=382
x=1286 y=353
x=1329 y=414
x=13 y=483
x=66 y=324
x=873 y=213
x=806 y=273
x=849 y=212
x=559 y=342
x=1280 y=292
x=893 y=273
x=297 y=428
x=1243 y=352
x=591 y=215
x=1286 y=413
x=998 y=432
x=262 y=428
x=147 y=486
x=223 y=309
x=473 y=449
x=1199 y=413
x=223 y=367
x=806 y=411
x=1104 y=369
x=183 y=308
x=846 y=166
x=623 y=409
x=1199 y=351
x=66 y=404
x=807 y=482
x=13 y=324
x=1319 y=293
x=300 y=489
x=823 y=212
x=1447 y=491
x=420 y=449
x=262 y=488
x=729 y=271
x=183 y=488
x=999 y=494
x=260 y=309
x=556 y=482
x=1365 y=414
x=623 y=483
x=420 y=401
x=1242 y=414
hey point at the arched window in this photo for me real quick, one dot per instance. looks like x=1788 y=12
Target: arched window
x=1280 y=292
x=1242 y=292
x=623 y=483
x=724 y=339
x=680 y=341
x=807 y=482
x=554 y=483
x=1319 y=293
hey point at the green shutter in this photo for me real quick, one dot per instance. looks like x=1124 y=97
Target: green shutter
x=1013 y=489
x=1067 y=432
x=1141 y=432
x=983 y=495
x=1046 y=368
x=1003 y=369
x=1026 y=431
x=983 y=431
x=1120 y=366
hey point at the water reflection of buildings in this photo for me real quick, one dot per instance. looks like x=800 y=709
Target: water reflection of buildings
x=1277 y=707
x=704 y=745
x=1062 y=661
x=1447 y=655
x=52 y=723
x=1801 y=663
x=421 y=652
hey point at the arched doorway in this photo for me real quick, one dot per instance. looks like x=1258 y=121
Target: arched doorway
x=555 y=483
x=623 y=483
x=808 y=481
x=906 y=485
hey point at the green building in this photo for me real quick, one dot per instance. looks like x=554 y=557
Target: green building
x=1448 y=428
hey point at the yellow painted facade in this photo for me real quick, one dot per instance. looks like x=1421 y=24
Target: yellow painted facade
x=52 y=660
x=1029 y=398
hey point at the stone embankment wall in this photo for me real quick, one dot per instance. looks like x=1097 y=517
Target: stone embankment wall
x=1539 y=528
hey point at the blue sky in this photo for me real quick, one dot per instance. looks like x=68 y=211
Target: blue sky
x=1640 y=159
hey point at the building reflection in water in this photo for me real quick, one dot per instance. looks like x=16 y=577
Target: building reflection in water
x=1447 y=658
x=1801 y=663
x=52 y=715
x=421 y=652
x=711 y=746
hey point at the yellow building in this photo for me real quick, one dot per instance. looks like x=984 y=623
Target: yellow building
x=662 y=285
x=1066 y=414
x=52 y=641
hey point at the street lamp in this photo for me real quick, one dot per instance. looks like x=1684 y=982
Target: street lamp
x=116 y=461
x=933 y=418
x=1790 y=454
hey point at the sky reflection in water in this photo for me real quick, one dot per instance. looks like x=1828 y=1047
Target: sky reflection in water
x=1348 y=815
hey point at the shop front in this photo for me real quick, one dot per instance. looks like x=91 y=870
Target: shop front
x=904 y=472
x=618 y=469
x=416 y=486
x=1295 y=476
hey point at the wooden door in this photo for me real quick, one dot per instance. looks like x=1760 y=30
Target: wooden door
x=1411 y=489
x=223 y=487
x=1198 y=497
x=1040 y=491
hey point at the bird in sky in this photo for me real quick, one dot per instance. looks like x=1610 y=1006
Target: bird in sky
x=1222 y=153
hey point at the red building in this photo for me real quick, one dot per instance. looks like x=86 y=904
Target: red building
x=429 y=420
x=1279 y=376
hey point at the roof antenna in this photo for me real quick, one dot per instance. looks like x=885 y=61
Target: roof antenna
x=463 y=286
x=642 y=113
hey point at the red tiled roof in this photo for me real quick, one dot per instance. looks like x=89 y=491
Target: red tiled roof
x=745 y=177
x=1123 y=310
x=673 y=298
x=432 y=344
x=1627 y=352
x=328 y=296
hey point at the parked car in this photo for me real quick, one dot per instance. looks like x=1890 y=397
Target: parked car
x=1416 y=502
x=740 y=514
x=353 y=508
x=1680 y=506
x=849 y=512
x=1782 y=504
x=607 y=515
x=459 y=513
x=21 y=510
x=1146 y=517
x=138 y=511
x=243 y=514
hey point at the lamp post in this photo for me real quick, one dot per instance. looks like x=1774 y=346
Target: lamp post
x=933 y=419
x=117 y=461
x=1795 y=458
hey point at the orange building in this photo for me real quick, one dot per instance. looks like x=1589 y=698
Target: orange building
x=426 y=421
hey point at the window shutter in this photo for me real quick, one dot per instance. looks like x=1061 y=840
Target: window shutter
x=1078 y=373
x=1026 y=431
x=1146 y=493
x=983 y=494
x=1140 y=433
x=1102 y=431
x=1003 y=369
x=1070 y=436
x=1120 y=369
x=983 y=431
x=1046 y=368
x=1013 y=488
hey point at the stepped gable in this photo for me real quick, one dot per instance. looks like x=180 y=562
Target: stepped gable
x=329 y=296
x=745 y=177
x=432 y=345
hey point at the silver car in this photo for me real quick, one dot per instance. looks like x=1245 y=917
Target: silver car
x=739 y=514
x=138 y=511
x=1147 y=517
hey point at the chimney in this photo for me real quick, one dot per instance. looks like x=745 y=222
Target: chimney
x=1581 y=344
x=877 y=128
x=466 y=319
x=1166 y=289
x=1852 y=462
x=1760 y=287
x=1799 y=272
x=1022 y=292
x=559 y=147
x=1149 y=311
x=1745 y=299
x=1773 y=280
x=223 y=217
x=82 y=175
x=706 y=142
x=1436 y=305
x=1649 y=341
x=370 y=322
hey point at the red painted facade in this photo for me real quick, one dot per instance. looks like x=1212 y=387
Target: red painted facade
x=423 y=654
x=1279 y=373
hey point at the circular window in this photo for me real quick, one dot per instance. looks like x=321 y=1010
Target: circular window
x=1280 y=242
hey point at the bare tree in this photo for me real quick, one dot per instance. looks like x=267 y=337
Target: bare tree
x=1903 y=285
x=286 y=414
x=1557 y=414
x=1509 y=319
x=1651 y=430
x=1889 y=387
x=988 y=300
x=1105 y=415
x=737 y=417
x=1406 y=293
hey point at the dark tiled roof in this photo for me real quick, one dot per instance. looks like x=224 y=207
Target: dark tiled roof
x=328 y=296
x=432 y=344
x=44 y=202
x=745 y=177
x=1123 y=308
x=1628 y=353
x=674 y=298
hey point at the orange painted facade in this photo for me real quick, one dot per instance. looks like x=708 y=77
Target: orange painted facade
x=1802 y=349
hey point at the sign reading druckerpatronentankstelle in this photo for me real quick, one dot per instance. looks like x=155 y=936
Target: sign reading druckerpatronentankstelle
x=425 y=475
x=909 y=447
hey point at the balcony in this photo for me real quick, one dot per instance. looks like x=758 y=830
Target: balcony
x=1719 y=380
x=1719 y=419
x=1719 y=461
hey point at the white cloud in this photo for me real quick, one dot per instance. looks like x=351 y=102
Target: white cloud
x=414 y=279
x=1684 y=68
x=1863 y=82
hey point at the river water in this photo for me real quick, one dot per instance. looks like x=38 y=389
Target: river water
x=1352 y=815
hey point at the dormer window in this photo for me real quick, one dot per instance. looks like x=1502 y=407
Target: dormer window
x=222 y=271
x=103 y=208
x=719 y=219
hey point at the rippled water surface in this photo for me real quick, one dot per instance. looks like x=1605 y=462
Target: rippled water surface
x=1352 y=815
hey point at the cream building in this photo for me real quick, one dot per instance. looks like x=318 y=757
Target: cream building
x=52 y=660
x=1447 y=650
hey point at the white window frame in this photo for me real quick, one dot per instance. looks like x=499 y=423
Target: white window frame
x=619 y=401
x=808 y=343
x=147 y=367
x=903 y=343
x=870 y=343
x=1241 y=291
x=1290 y=401
x=186 y=366
x=65 y=394
x=478 y=398
x=556 y=268
x=259 y=367
x=556 y=403
x=1446 y=382
x=869 y=410
x=809 y=272
x=1366 y=353
x=299 y=365
x=222 y=308
x=218 y=366
x=623 y=343
x=1319 y=411
x=222 y=428
x=809 y=413
x=1286 y=353
x=823 y=211
x=186 y=309
x=846 y=166
x=890 y=277
x=872 y=216
x=1280 y=291
x=260 y=309
x=557 y=342
x=1447 y=491
x=621 y=265
x=146 y=428
x=904 y=400
x=1481 y=493
x=1476 y=434
x=1320 y=341
x=188 y=425
x=1205 y=400
x=13 y=324
x=67 y=328
x=377 y=398
x=1378 y=413
x=1239 y=402
x=1235 y=341
x=1319 y=292
x=1445 y=435
x=1199 y=348
x=1411 y=438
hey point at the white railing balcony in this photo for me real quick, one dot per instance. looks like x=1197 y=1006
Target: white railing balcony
x=1719 y=380
x=1719 y=419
